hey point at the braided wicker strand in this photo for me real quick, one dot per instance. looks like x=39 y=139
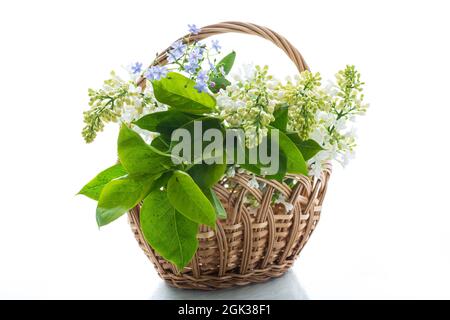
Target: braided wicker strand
x=253 y=244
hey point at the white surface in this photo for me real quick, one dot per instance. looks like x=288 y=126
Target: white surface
x=384 y=229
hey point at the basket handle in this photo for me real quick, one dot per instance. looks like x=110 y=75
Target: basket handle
x=239 y=27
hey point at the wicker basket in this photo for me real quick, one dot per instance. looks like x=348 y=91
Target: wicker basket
x=255 y=243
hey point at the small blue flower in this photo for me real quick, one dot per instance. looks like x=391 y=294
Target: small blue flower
x=136 y=67
x=156 y=73
x=177 y=51
x=191 y=67
x=201 y=86
x=215 y=45
x=202 y=76
x=193 y=29
x=212 y=67
x=196 y=54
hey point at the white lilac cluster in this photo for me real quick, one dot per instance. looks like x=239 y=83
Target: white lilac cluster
x=125 y=101
x=118 y=100
x=305 y=99
x=322 y=114
x=334 y=129
x=249 y=103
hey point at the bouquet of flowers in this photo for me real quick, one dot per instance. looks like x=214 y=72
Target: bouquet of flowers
x=188 y=123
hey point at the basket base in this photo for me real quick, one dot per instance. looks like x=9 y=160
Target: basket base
x=228 y=280
x=253 y=244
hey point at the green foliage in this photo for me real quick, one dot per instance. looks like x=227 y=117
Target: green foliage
x=139 y=158
x=259 y=168
x=223 y=68
x=94 y=187
x=178 y=92
x=177 y=198
x=161 y=143
x=309 y=148
x=197 y=140
x=218 y=207
x=120 y=195
x=295 y=161
x=227 y=63
x=206 y=176
x=169 y=232
x=220 y=82
x=186 y=197
x=281 y=117
x=164 y=122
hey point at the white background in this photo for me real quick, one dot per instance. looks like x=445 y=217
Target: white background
x=384 y=231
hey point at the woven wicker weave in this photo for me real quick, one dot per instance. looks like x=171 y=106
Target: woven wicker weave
x=255 y=242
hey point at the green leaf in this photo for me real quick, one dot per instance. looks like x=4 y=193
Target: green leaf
x=309 y=148
x=164 y=122
x=197 y=140
x=178 y=92
x=161 y=181
x=282 y=168
x=161 y=142
x=119 y=196
x=170 y=233
x=138 y=157
x=207 y=174
x=219 y=83
x=281 y=118
x=295 y=161
x=94 y=187
x=227 y=62
x=259 y=168
x=186 y=197
x=218 y=207
x=254 y=168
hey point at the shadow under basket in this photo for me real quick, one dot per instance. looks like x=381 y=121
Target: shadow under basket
x=259 y=239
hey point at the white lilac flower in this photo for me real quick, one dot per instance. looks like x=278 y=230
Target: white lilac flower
x=231 y=172
x=282 y=200
x=249 y=105
x=315 y=169
x=193 y=29
x=305 y=99
x=245 y=73
x=345 y=102
x=133 y=88
x=253 y=183
x=118 y=100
